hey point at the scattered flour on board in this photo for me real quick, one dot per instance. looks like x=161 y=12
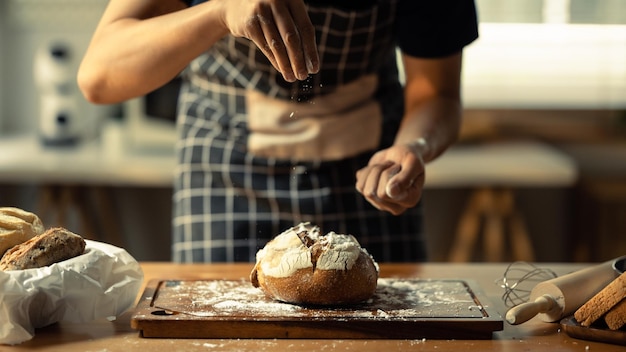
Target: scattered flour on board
x=394 y=299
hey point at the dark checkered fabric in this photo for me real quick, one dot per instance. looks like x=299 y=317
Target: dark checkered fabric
x=228 y=203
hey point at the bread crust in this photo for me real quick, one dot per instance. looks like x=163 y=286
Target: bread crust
x=602 y=302
x=17 y=226
x=302 y=267
x=616 y=317
x=311 y=286
x=54 y=245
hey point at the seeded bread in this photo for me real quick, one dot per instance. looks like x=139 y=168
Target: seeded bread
x=602 y=302
x=616 y=317
x=301 y=266
x=17 y=226
x=54 y=245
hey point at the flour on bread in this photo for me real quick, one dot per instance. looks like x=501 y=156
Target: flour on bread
x=339 y=252
x=303 y=246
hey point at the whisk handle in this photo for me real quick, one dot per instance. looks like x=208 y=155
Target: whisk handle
x=526 y=311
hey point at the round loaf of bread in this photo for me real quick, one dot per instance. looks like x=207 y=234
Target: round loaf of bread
x=301 y=266
x=17 y=226
x=55 y=245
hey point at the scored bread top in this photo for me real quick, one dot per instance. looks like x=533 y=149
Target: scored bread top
x=303 y=246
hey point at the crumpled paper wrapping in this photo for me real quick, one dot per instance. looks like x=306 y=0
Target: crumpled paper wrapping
x=103 y=282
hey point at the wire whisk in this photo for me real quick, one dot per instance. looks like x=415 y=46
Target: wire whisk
x=519 y=279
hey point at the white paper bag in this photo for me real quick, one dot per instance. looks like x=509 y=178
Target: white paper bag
x=102 y=282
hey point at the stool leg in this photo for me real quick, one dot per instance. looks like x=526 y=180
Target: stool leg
x=521 y=245
x=467 y=229
x=493 y=240
x=520 y=240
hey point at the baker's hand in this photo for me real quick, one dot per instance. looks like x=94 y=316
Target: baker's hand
x=393 y=179
x=282 y=30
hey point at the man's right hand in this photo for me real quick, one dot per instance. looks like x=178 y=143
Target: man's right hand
x=280 y=28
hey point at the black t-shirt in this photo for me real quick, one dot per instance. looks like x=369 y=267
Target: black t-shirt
x=443 y=27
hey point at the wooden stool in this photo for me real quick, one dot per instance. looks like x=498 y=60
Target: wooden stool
x=492 y=170
x=495 y=209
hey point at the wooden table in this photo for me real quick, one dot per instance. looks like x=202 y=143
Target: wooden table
x=103 y=335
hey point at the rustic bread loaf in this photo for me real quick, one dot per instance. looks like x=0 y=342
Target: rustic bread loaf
x=602 y=302
x=301 y=266
x=616 y=317
x=17 y=226
x=54 y=245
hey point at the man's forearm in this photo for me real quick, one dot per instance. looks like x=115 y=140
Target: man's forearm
x=130 y=56
x=431 y=127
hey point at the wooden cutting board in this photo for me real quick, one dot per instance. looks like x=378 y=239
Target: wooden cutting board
x=597 y=332
x=400 y=308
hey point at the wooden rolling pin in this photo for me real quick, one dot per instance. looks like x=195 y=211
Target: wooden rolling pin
x=557 y=298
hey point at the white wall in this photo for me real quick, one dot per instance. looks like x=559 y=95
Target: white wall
x=564 y=54
x=553 y=65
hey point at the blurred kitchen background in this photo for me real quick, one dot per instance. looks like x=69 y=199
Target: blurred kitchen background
x=539 y=173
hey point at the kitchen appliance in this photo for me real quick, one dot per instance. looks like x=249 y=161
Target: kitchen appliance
x=60 y=121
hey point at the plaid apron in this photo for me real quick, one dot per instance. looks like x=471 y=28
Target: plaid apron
x=229 y=202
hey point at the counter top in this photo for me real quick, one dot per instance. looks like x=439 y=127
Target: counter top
x=111 y=336
x=24 y=159
x=513 y=164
